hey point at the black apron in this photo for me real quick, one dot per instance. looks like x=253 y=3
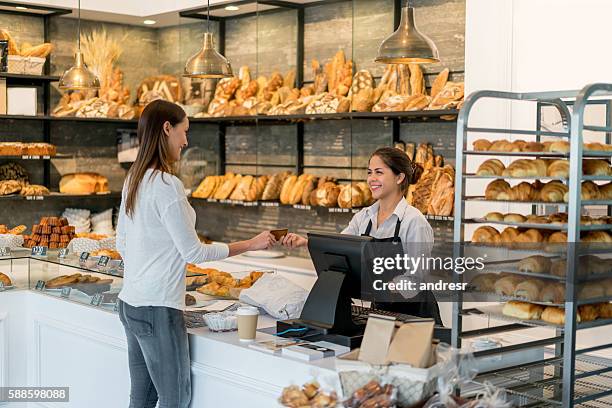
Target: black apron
x=424 y=304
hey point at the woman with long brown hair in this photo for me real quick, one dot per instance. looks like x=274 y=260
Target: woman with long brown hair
x=156 y=237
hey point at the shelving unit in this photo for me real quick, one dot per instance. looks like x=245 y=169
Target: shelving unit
x=568 y=379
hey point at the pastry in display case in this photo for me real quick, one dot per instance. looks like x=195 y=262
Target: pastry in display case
x=83 y=183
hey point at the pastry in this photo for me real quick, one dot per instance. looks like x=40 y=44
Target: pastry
x=556 y=315
x=518 y=218
x=523 y=192
x=34 y=190
x=558 y=168
x=228 y=186
x=6 y=281
x=588 y=313
x=535 y=264
x=242 y=189
x=560 y=146
x=529 y=289
x=112 y=254
x=588 y=191
x=522 y=310
x=491 y=167
x=531 y=236
x=288 y=184
x=10 y=187
x=63 y=280
x=189 y=300
x=597 y=237
x=295 y=195
x=553 y=192
x=558 y=237
x=526 y=168
x=498 y=190
x=590 y=290
x=486 y=235
x=537 y=219
x=443 y=192
x=553 y=292
x=605 y=191
x=494 y=216
x=362 y=91
x=533 y=147
x=484 y=282
x=482 y=145
x=449 y=97
x=595 y=167
x=83 y=183
x=604 y=310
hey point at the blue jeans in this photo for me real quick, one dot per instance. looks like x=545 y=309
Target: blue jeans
x=158 y=354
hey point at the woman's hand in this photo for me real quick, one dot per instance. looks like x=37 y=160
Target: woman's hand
x=265 y=240
x=292 y=240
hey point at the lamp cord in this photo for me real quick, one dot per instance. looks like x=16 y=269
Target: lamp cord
x=207 y=17
x=79 y=28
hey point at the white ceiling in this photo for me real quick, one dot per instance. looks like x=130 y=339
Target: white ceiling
x=164 y=12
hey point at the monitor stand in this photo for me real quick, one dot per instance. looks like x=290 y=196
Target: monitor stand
x=327 y=313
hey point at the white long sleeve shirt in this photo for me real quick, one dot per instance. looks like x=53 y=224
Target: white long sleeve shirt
x=158 y=241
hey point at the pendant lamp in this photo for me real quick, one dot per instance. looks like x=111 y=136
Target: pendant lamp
x=208 y=63
x=407 y=44
x=79 y=77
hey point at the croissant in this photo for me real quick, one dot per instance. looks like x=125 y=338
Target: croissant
x=558 y=168
x=486 y=235
x=558 y=267
x=558 y=218
x=526 y=168
x=504 y=146
x=491 y=167
x=561 y=146
x=533 y=147
x=596 y=168
x=523 y=192
x=535 y=264
x=597 y=237
x=508 y=235
x=529 y=289
x=553 y=192
x=588 y=191
x=604 y=310
x=481 y=145
x=588 y=312
x=507 y=284
x=605 y=191
x=553 y=292
x=498 y=190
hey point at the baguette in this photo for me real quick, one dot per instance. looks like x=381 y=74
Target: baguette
x=288 y=184
x=522 y=310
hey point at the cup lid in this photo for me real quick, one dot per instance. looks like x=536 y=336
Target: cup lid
x=247 y=310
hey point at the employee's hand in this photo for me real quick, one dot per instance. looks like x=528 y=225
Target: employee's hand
x=265 y=240
x=292 y=240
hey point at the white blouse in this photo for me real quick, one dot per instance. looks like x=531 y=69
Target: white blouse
x=158 y=241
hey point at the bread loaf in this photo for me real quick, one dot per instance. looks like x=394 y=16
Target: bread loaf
x=605 y=191
x=590 y=290
x=604 y=310
x=486 y=235
x=228 y=186
x=504 y=146
x=327 y=196
x=535 y=264
x=310 y=186
x=560 y=146
x=533 y=147
x=597 y=237
x=494 y=216
x=518 y=218
x=508 y=235
x=362 y=91
x=439 y=83
x=206 y=187
x=528 y=238
x=588 y=313
x=556 y=315
x=417 y=81
x=83 y=183
x=272 y=190
x=491 y=167
x=498 y=190
x=350 y=196
x=443 y=193
x=288 y=184
x=367 y=193
x=558 y=267
x=484 y=282
x=6 y=281
x=558 y=168
x=522 y=310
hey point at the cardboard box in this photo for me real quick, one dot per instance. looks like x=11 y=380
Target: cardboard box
x=21 y=101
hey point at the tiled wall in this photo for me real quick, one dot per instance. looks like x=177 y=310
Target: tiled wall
x=266 y=44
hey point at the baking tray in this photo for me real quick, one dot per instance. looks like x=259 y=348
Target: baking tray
x=550 y=226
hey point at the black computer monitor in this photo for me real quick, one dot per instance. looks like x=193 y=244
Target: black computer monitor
x=338 y=261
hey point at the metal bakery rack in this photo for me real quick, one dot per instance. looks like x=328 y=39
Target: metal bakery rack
x=570 y=375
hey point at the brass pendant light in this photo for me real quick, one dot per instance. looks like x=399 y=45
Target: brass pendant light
x=208 y=63
x=407 y=44
x=79 y=77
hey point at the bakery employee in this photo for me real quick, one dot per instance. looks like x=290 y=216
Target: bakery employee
x=156 y=237
x=390 y=219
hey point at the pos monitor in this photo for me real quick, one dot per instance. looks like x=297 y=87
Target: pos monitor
x=338 y=261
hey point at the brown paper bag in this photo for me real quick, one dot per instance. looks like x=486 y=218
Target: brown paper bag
x=376 y=339
x=412 y=344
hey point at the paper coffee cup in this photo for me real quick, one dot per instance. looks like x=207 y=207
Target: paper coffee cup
x=247 y=322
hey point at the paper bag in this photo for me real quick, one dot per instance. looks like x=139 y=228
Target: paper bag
x=376 y=339
x=412 y=344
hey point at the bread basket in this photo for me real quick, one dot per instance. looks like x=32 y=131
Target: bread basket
x=25 y=65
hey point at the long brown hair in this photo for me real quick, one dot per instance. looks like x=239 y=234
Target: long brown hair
x=399 y=162
x=153 y=152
